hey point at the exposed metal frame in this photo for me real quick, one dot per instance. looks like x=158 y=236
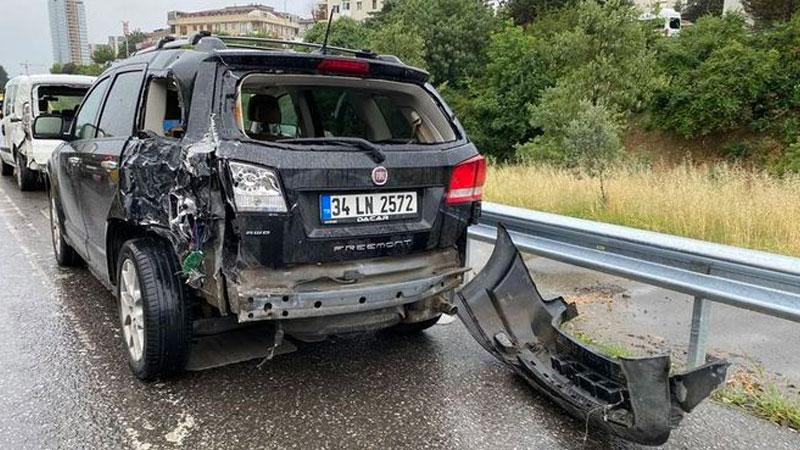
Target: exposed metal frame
x=748 y=279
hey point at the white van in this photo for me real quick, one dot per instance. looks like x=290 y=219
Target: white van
x=26 y=98
x=667 y=20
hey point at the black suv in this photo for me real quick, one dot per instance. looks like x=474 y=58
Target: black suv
x=235 y=180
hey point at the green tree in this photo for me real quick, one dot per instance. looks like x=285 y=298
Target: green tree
x=3 y=78
x=345 y=32
x=75 y=69
x=767 y=12
x=782 y=104
x=719 y=80
x=455 y=33
x=524 y=12
x=578 y=134
x=592 y=142
x=603 y=69
x=395 y=39
x=493 y=105
x=103 y=54
x=134 y=38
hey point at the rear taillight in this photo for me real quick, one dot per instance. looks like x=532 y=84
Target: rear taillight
x=466 y=183
x=352 y=66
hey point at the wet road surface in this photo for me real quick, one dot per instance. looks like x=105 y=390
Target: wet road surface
x=64 y=382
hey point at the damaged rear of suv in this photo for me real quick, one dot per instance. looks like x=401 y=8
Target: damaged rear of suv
x=213 y=182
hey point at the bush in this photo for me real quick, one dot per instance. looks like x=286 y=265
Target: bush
x=345 y=32
x=589 y=140
x=494 y=105
x=789 y=162
x=601 y=77
x=782 y=104
x=395 y=38
x=455 y=34
x=719 y=80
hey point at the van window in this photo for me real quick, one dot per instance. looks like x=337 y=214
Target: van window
x=85 y=127
x=120 y=109
x=9 y=101
x=62 y=101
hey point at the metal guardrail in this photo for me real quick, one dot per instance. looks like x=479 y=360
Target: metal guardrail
x=747 y=279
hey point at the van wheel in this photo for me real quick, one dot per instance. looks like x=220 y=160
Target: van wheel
x=26 y=178
x=416 y=327
x=66 y=256
x=7 y=169
x=154 y=314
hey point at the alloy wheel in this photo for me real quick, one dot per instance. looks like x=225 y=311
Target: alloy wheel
x=131 y=310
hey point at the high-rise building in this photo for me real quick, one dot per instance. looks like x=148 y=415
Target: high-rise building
x=356 y=9
x=68 y=31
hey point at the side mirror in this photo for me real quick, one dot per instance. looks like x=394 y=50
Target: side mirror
x=48 y=127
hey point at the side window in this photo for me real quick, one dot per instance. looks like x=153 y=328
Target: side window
x=85 y=127
x=120 y=109
x=163 y=112
x=10 y=99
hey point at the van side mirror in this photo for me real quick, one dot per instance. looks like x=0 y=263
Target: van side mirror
x=48 y=127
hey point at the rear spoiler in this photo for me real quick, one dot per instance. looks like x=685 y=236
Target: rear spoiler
x=310 y=63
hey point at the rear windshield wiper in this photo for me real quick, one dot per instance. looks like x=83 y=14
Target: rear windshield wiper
x=375 y=151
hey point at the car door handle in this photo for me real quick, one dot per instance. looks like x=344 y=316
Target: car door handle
x=74 y=161
x=109 y=165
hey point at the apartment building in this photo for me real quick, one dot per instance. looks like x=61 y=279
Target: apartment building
x=68 y=31
x=356 y=9
x=236 y=21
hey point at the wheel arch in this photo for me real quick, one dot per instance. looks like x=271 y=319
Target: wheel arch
x=119 y=231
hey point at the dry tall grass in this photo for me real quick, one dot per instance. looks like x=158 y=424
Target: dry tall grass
x=714 y=203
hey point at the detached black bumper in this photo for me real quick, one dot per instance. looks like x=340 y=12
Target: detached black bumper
x=633 y=398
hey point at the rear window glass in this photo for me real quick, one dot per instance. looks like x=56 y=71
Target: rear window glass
x=278 y=107
x=59 y=100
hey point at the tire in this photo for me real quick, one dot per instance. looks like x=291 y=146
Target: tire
x=27 y=180
x=65 y=255
x=416 y=327
x=6 y=170
x=156 y=326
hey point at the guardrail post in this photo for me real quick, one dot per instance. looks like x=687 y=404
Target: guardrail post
x=698 y=338
x=468 y=259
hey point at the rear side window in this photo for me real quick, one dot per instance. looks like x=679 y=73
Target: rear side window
x=85 y=122
x=120 y=109
x=279 y=107
x=9 y=101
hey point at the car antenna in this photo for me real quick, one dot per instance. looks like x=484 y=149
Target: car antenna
x=334 y=10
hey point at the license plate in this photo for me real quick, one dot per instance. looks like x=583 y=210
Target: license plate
x=364 y=208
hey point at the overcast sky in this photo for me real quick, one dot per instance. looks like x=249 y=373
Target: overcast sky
x=25 y=30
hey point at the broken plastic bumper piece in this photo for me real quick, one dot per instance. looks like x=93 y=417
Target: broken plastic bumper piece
x=633 y=398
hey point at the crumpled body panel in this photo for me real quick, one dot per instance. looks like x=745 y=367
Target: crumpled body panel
x=633 y=398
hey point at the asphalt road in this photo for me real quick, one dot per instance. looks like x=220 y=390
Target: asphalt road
x=64 y=381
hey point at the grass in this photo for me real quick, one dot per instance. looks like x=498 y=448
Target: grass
x=715 y=203
x=615 y=351
x=754 y=392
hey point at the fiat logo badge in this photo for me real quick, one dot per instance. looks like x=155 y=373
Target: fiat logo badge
x=380 y=176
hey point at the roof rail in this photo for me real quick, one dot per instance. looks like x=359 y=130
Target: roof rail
x=255 y=43
x=279 y=43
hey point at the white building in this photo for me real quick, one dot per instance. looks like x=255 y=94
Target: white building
x=356 y=9
x=68 y=31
